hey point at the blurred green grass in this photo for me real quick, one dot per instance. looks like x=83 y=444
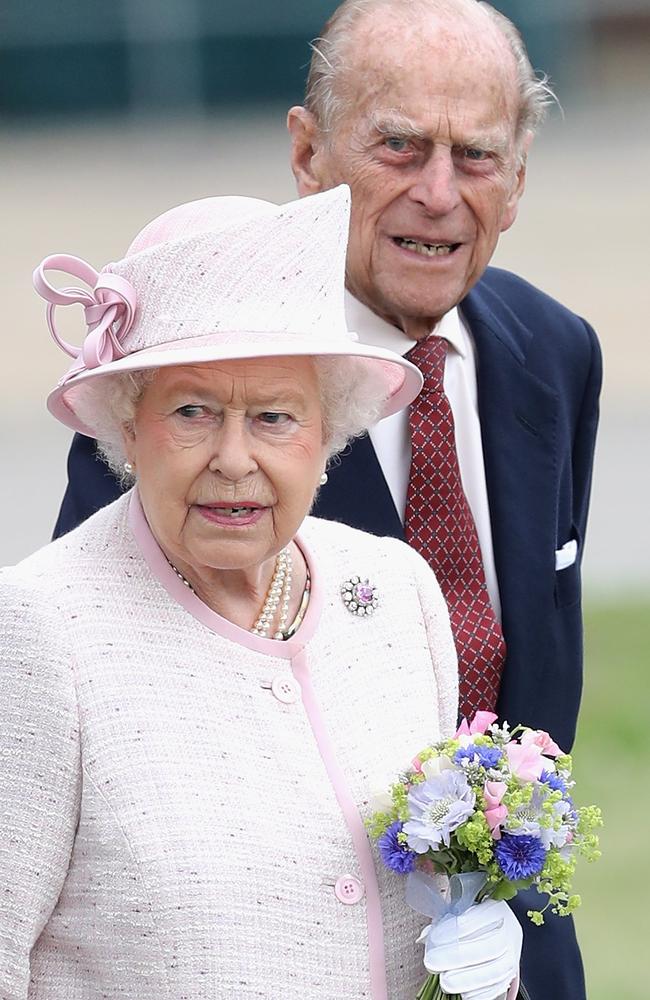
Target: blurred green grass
x=612 y=770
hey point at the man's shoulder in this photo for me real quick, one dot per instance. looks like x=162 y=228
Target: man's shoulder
x=504 y=293
x=532 y=322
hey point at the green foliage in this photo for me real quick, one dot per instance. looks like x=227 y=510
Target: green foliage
x=475 y=836
x=377 y=823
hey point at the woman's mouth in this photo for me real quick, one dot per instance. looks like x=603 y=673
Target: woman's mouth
x=240 y=514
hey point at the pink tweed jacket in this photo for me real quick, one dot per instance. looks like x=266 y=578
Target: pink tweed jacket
x=182 y=803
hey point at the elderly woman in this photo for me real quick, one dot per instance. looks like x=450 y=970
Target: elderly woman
x=201 y=686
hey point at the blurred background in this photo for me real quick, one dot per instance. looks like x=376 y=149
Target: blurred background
x=112 y=112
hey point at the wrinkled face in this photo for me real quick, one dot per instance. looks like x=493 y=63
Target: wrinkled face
x=428 y=149
x=228 y=457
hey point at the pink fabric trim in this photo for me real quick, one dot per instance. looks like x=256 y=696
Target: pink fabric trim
x=157 y=562
x=378 y=985
x=514 y=989
x=293 y=650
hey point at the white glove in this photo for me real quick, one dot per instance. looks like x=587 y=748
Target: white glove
x=476 y=954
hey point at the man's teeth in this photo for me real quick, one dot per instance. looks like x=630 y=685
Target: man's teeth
x=427 y=249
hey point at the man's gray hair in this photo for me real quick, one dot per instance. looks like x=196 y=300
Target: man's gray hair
x=352 y=395
x=323 y=97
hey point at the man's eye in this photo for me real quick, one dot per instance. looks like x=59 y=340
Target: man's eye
x=395 y=144
x=190 y=410
x=471 y=153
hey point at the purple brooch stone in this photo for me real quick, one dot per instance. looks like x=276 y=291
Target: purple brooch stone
x=359 y=596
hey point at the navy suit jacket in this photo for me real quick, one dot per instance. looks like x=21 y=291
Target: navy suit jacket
x=539 y=376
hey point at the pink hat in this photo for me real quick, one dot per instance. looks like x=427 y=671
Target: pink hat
x=213 y=280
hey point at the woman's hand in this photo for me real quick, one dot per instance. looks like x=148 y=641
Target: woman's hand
x=477 y=954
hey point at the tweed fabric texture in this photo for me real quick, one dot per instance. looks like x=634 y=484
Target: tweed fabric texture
x=226 y=278
x=440 y=526
x=168 y=829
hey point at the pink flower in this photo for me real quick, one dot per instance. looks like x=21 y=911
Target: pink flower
x=495 y=812
x=526 y=761
x=479 y=724
x=416 y=764
x=542 y=740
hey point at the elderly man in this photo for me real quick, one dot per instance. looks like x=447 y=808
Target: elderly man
x=427 y=108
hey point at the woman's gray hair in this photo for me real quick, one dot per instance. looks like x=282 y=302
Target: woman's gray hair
x=352 y=395
x=323 y=95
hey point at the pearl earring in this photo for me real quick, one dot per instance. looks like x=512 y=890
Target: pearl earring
x=323 y=479
x=129 y=469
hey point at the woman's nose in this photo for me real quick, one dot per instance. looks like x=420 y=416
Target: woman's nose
x=233 y=457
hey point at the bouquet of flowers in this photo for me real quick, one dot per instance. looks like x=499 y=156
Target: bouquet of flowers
x=492 y=802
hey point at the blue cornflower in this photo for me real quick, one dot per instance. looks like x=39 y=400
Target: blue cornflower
x=554 y=781
x=484 y=755
x=519 y=856
x=395 y=855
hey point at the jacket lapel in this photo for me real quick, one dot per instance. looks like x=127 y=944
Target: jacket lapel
x=519 y=416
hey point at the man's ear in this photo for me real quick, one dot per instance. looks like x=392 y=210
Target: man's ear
x=305 y=148
x=512 y=206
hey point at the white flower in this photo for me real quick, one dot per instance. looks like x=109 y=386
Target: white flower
x=380 y=802
x=436 y=765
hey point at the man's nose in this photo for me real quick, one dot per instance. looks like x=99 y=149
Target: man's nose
x=233 y=457
x=436 y=186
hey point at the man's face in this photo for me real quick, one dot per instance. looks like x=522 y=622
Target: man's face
x=428 y=148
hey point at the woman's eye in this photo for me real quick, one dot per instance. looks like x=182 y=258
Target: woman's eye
x=274 y=419
x=190 y=410
x=395 y=144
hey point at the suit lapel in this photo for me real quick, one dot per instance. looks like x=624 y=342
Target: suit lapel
x=519 y=416
x=357 y=493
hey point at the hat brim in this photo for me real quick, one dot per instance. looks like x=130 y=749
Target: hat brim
x=402 y=379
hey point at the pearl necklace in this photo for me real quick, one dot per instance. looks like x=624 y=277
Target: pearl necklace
x=277 y=596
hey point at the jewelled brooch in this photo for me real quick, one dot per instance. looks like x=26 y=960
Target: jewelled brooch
x=359 y=596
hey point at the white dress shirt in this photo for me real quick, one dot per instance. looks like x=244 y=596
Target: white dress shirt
x=391 y=437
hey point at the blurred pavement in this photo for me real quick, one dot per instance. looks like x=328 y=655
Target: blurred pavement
x=88 y=188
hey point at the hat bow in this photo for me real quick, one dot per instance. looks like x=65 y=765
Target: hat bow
x=109 y=308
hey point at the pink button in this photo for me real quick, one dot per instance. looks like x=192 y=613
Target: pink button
x=285 y=690
x=348 y=890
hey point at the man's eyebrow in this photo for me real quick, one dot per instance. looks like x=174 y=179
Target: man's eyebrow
x=394 y=123
x=494 y=141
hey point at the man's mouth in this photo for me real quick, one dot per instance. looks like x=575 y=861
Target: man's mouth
x=426 y=249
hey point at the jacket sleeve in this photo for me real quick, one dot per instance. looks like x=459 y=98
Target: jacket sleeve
x=91 y=485
x=441 y=643
x=39 y=778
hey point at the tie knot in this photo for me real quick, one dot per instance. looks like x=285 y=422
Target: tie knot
x=430 y=355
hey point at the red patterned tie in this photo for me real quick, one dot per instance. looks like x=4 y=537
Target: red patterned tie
x=440 y=526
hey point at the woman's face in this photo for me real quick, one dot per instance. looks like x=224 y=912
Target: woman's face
x=228 y=457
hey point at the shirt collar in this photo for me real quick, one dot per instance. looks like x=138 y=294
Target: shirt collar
x=377 y=332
